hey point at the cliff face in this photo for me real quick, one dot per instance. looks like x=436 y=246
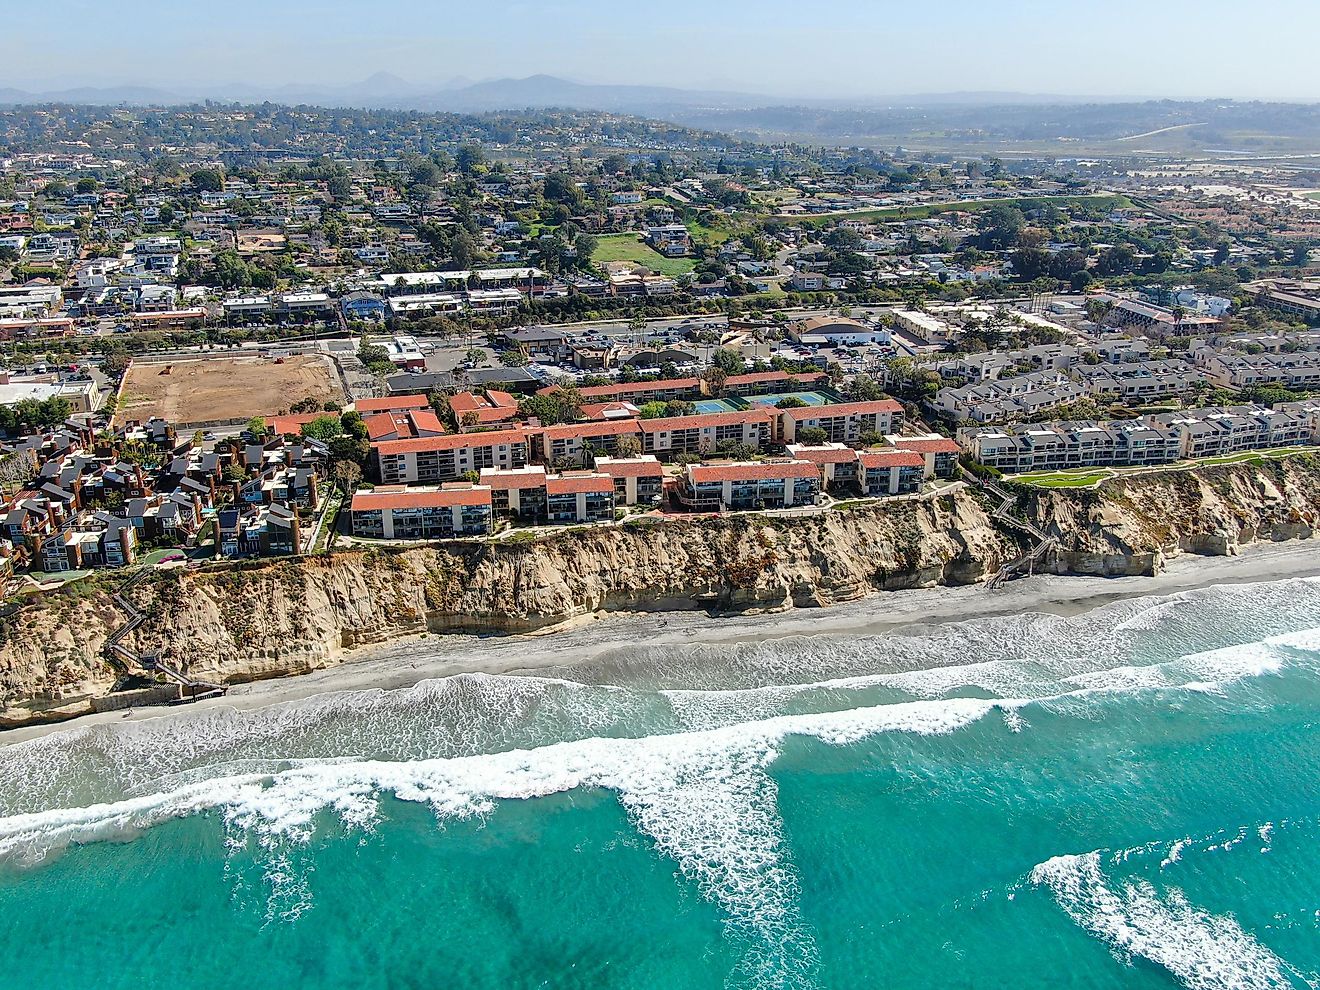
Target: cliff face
x=282 y=617
x=1130 y=525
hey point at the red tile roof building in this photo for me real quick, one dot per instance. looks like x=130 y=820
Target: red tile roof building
x=890 y=471
x=393 y=403
x=570 y=443
x=518 y=492
x=427 y=460
x=579 y=497
x=705 y=433
x=844 y=422
x=837 y=462
x=403 y=425
x=749 y=485
x=483 y=410
x=292 y=423
x=648 y=390
x=940 y=454
x=421 y=514
x=637 y=480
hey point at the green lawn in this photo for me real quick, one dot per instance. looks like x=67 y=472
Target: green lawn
x=1090 y=477
x=1064 y=479
x=629 y=247
x=711 y=235
x=967 y=206
x=1254 y=456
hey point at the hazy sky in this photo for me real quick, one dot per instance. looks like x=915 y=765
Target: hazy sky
x=786 y=47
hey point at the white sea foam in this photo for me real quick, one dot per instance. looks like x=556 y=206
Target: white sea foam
x=704 y=798
x=1175 y=853
x=1233 y=663
x=1203 y=951
x=1266 y=833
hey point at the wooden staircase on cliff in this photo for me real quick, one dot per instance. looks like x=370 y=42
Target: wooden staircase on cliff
x=1044 y=547
x=124 y=660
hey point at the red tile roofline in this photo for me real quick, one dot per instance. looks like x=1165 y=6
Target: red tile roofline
x=753 y=471
x=701 y=420
x=386 y=500
x=396 y=403
x=844 y=409
x=453 y=441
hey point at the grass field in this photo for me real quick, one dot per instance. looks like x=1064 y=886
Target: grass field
x=1064 y=479
x=1091 y=477
x=966 y=206
x=213 y=390
x=711 y=235
x=629 y=247
x=1255 y=456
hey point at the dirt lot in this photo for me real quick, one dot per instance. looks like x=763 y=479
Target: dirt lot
x=208 y=391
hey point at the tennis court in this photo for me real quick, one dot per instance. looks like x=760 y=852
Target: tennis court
x=736 y=403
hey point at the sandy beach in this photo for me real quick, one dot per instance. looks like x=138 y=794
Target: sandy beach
x=406 y=662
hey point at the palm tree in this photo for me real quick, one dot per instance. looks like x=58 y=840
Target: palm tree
x=1178 y=314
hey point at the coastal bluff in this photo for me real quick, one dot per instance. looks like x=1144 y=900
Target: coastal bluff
x=271 y=618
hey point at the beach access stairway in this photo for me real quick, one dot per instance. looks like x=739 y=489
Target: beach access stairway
x=125 y=660
x=1044 y=546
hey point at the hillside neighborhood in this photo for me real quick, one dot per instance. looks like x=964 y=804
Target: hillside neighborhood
x=257 y=350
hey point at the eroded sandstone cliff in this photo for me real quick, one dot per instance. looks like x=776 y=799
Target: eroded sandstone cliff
x=272 y=618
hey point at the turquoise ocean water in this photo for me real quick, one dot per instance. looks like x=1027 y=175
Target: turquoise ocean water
x=1126 y=798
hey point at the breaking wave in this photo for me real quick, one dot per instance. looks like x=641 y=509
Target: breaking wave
x=685 y=739
x=1203 y=950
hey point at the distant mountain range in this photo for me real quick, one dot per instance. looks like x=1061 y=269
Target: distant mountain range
x=965 y=122
x=387 y=91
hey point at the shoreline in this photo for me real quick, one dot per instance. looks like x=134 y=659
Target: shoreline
x=408 y=661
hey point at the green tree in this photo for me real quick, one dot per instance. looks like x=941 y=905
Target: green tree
x=345 y=447
x=559 y=187
x=323 y=428
x=563 y=405
x=729 y=361
x=513 y=358
x=585 y=245
x=340 y=187
x=208 y=180
x=351 y=422
x=715 y=377
x=469 y=158
x=426 y=173
x=865 y=388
